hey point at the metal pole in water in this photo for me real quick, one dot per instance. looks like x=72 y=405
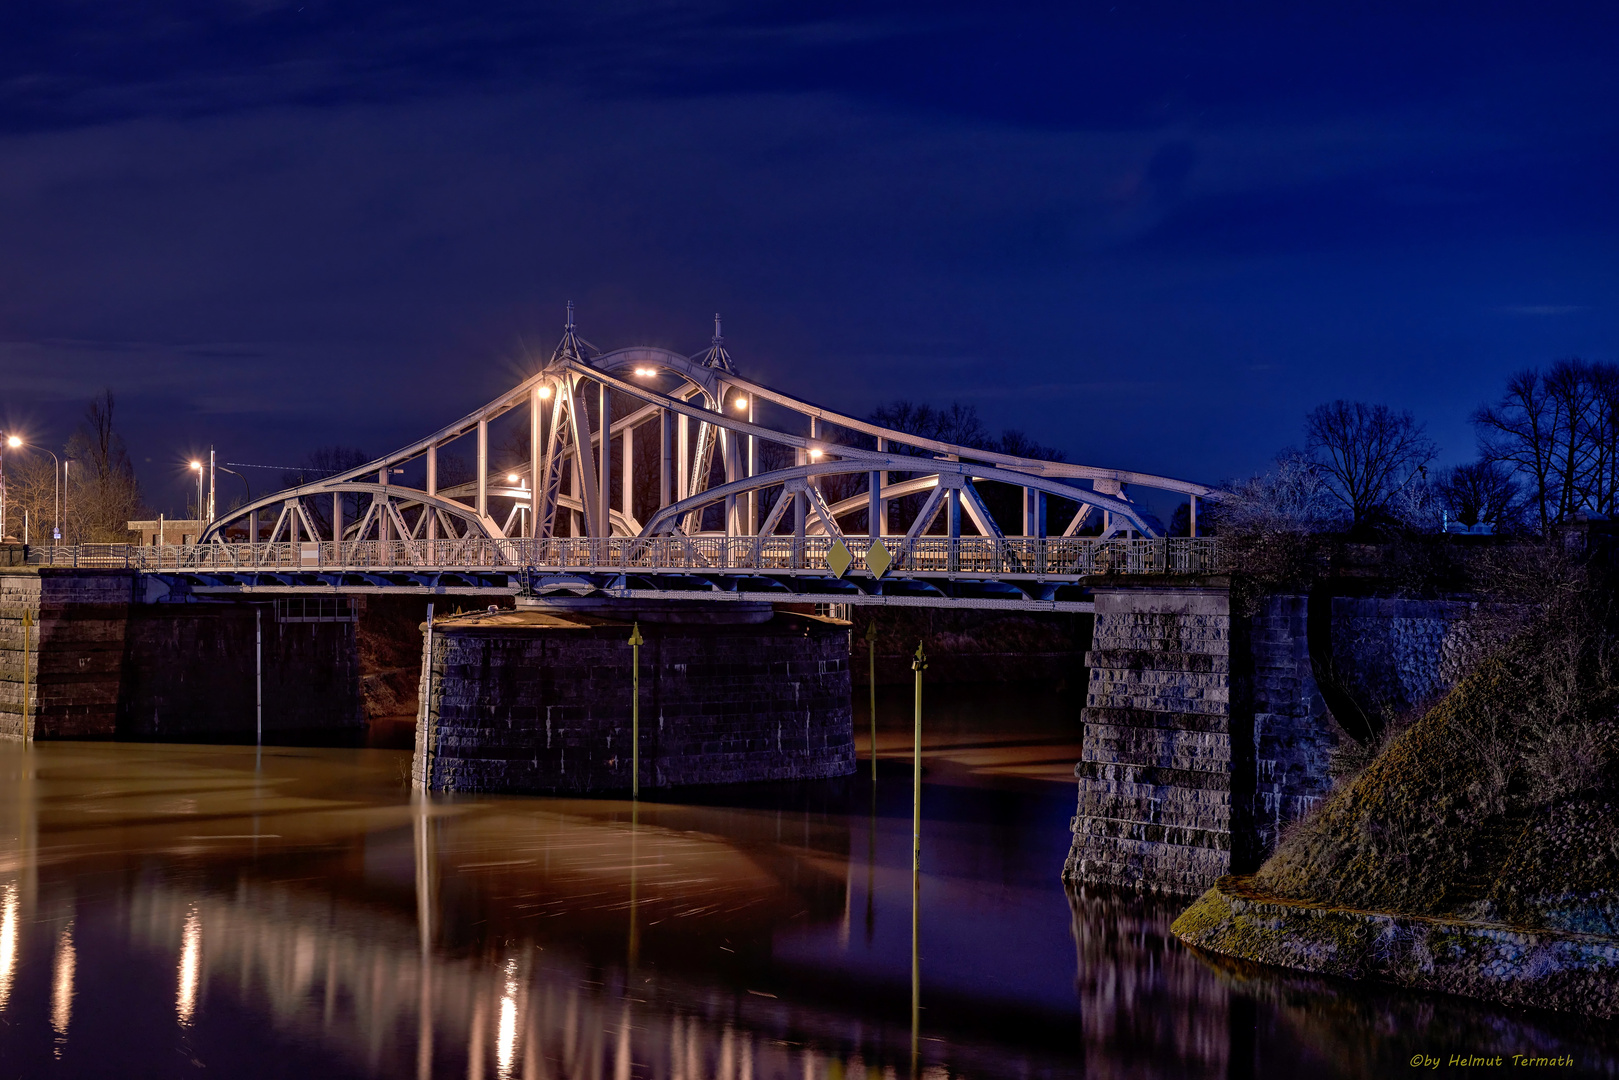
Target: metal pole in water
x=636 y=641
x=871 y=643
x=27 y=621
x=918 y=664
x=258 y=673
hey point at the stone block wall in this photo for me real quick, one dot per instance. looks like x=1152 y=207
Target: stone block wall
x=1294 y=732
x=75 y=650
x=1205 y=735
x=533 y=703
x=1155 y=782
x=192 y=671
x=1393 y=655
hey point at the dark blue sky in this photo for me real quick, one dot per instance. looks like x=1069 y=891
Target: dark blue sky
x=1150 y=234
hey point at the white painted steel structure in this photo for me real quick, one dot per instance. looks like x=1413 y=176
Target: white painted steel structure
x=705 y=418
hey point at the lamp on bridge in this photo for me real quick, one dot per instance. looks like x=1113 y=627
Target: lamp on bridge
x=740 y=403
x=645 y=371
x=545 y=392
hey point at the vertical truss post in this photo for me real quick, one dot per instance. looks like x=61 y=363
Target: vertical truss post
x=882 y=503
x=483 y=468
x=1192 y=531
x=682 y=450
x=751 y=469
x=432 y=489
x=536 y=457
x=604 y=409
x=666 y=453
x=337 y=517
x=800 y=512
x=384 y=531
x=627 y=494
x=953 y=518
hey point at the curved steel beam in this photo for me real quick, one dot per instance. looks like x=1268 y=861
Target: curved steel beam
x=665 y=517
x=405 y=496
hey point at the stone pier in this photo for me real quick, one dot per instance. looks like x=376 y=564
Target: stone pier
x=1204 y=735
x=537 y=700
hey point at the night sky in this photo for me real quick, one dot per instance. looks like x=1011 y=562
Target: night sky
x=1152 y=235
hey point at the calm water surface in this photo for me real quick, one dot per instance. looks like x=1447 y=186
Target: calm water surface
x=209 y=911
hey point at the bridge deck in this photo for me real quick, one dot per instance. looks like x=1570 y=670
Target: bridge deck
x=1027 y=573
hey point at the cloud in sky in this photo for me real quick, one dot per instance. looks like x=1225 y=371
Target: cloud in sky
x=276 y=228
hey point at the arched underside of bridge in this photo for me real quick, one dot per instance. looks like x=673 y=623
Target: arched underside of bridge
x=713 y=429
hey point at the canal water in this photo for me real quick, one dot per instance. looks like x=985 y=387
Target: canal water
x=195 y=911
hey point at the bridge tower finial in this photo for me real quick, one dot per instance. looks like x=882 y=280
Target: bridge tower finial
x=716 y=356
x=570 y=317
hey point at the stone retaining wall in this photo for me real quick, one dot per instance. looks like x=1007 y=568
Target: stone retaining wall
x=75 y=650
x=1540 y=968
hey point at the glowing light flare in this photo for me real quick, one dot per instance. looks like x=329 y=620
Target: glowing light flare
x=545 y=392
x=506 y=1035
x=14 y=442
x=646 y=371
x=8 y=940
x=740 y=403
x=815 y=455
x=185 y=1001
x=62 y=986
x=197 y=466
x=512 y=478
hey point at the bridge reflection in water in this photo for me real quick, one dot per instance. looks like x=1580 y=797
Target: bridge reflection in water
x=300 y=915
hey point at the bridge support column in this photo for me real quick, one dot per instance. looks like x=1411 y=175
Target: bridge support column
x=1205 y=734
x=536 y=457
x=538 y=701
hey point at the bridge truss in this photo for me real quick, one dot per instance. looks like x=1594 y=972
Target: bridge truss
x=752 y=485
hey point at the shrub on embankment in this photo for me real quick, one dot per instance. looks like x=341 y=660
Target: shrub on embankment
x=1498 y=803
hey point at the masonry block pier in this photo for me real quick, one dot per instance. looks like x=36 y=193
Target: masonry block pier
x=100 y=663
x=1205 y=734
x=537 y=699
x=1206 y=731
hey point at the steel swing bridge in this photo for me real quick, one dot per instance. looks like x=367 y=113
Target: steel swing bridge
x=726 y=525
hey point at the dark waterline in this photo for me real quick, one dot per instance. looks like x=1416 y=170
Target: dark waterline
x=210 y=911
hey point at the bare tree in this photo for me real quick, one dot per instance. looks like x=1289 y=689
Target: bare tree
x=104 y=493
x=1369 y=454
x=1558 y=434
x=1483 y=491
x=1291 y=497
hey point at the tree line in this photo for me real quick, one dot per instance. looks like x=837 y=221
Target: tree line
x=1548 y=453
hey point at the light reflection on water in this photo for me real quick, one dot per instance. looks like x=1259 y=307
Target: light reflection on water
x=302 y=914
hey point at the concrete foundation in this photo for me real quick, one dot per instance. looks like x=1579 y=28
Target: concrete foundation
x=538 y=700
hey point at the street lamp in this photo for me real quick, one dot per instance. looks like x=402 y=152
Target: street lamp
x=16 y=443
x=196 y=467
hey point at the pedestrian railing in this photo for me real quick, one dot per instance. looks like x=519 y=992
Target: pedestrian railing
x=1048 y=557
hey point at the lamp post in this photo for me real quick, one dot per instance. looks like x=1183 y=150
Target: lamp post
x=196 y=467
x=16 y=442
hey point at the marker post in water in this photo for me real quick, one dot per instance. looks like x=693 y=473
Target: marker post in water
x=871 y=646
x=636 y=641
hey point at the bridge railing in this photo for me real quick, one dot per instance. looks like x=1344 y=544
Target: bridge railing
x=1047 y=557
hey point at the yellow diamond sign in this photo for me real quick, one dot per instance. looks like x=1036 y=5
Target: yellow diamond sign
x=877 y=559
x=838 y=559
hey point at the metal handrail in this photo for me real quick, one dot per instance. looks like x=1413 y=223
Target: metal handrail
x=1043 y=557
